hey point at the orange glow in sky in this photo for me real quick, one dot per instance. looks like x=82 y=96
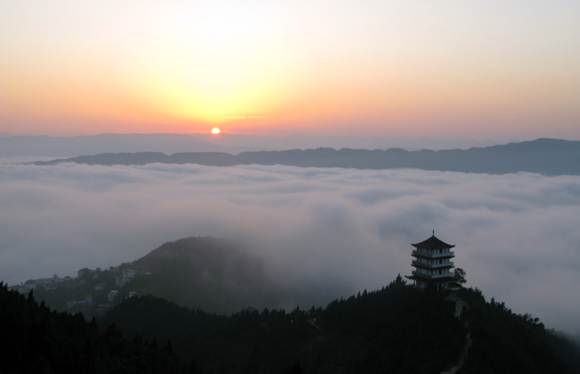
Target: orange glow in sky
x=479 y=69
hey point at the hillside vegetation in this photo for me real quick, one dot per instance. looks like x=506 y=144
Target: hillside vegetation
x=398 y=329
x=216 y=275
x=38 y=340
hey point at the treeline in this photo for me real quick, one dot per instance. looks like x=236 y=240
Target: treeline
x=38 y=340
x=398 y=329
x=505 y=342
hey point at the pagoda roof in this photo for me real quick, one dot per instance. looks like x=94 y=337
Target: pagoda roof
x=433 y=243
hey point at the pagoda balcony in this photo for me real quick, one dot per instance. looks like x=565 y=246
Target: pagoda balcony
x=431 y=276
x=449 y=264
x=432 y=255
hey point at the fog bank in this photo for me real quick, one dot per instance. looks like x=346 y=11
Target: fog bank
x=328 y=232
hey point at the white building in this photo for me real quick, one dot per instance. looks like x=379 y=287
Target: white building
x=126 y=276
x=111 y=296
x=432 y=263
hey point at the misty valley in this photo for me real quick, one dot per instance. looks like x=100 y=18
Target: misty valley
x=296 y=266
x=183 y=308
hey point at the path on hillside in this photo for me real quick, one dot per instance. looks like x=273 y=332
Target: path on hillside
x=459 y=304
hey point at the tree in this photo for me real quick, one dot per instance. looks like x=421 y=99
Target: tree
x=459 y=277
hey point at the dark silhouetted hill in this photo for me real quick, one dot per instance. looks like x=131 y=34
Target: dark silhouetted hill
x=398 y=329
x=35 y=339
x=544 y=156
x=216 y=275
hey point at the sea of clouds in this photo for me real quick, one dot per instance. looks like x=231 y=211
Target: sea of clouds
x=328 y=232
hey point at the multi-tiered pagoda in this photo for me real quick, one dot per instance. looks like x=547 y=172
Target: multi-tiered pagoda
x=432 y=263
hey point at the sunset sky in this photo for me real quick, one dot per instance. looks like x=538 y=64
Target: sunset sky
x=444 y=69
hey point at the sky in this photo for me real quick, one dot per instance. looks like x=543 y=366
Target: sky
x=327 y=232
x=455 y=69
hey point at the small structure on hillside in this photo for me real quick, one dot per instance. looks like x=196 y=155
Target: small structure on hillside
x=432 y=264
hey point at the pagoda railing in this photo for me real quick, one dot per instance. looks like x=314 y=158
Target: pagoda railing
x=432 y=266
x=432 y=276
x=432 y=255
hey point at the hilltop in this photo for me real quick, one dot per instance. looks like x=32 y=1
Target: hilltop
x=398 y=329
x=216 y=275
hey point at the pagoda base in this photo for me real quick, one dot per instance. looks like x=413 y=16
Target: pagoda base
x=421 y=282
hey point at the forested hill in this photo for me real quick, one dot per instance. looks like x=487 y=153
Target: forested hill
x=38 y=340
x=398 y=329
x=217 y=275
x=544 y=156
x=214 y=274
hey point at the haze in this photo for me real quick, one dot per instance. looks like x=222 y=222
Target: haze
x=453 y=70
x=328 y=232
x=372 y=74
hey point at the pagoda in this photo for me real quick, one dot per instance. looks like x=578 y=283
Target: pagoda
x=432 y=263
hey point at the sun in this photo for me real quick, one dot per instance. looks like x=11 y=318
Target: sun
x=215 y=130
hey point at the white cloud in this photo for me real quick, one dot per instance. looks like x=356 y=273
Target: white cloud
x=325 y=232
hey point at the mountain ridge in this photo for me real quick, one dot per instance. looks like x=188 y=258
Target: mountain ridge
x=545 y=156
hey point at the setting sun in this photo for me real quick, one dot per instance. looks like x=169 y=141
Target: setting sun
x=215 y=130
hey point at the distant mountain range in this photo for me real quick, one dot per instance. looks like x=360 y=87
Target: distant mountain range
x=544 y=156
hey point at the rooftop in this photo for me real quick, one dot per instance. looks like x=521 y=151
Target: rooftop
x=433 y=243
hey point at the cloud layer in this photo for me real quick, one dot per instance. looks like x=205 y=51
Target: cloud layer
x=326 y=232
